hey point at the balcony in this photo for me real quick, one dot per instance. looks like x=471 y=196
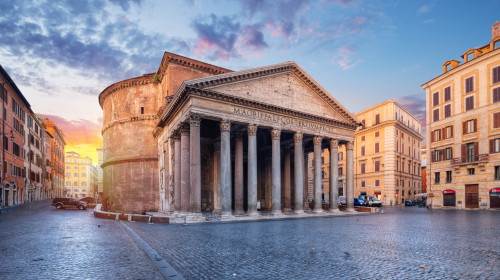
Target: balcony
x=471 y=159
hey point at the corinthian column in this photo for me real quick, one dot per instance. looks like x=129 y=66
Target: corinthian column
x=317 y=174
x=225 y=167
x=286 y=181
x=177 y=172
x=195 y=159
x=298 y=173
x=334 y=176
x=185 y=169
x=276 y=172
x=350 y=177
x=238 y=174
x=252 y=170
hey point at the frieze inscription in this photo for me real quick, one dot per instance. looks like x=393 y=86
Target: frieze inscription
x=287 y=121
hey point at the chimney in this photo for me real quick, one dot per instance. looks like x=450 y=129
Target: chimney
x=495 y=30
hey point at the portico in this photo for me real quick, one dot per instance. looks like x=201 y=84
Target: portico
x=243 y=139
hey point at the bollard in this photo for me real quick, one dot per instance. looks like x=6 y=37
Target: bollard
x=150 y=219
x=130 y=217
x=117 y=218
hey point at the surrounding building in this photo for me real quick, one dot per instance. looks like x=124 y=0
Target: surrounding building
x=423 y=157
x=463 y=130
x=386 y=155
x=34 y=160
x=171 y=139
x=48 y=180
x=81 y=176
x=99 y=171
x=57 y=157
x=14 y=111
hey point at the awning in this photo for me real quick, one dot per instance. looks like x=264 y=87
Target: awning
x=495 y=190
x=377 y=193
x=448 y=192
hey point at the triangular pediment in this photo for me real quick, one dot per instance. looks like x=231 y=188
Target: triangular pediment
x=283 y=85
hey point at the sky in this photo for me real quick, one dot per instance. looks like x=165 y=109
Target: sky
x=62 y=54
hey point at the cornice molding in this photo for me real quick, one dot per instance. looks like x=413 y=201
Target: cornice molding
x=128 y=160
x=131 y=119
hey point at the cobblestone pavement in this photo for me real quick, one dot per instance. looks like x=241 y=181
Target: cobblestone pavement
x=39 y=242
x=449 y=244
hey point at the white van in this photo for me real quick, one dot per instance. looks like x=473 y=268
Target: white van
x=342 y=200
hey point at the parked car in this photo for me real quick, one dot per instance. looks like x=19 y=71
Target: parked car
x=68 y=202
x=359 y=202
x=373 y=202
x=88 y=199
x=342 y=200
x=408 y=202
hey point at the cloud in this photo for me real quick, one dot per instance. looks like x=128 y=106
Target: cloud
x=424 y=9
x=82 y=35
x=427 y=21
x=217 y=34
x=344 y=58
x=343 y=3
x=415 y=104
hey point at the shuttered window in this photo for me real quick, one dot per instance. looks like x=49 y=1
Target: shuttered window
x=496 y=75
x=377 y=119
x=495 y=146
x=470 y=126
x=435 y=99
x=469 y=84
x=448 y=153
x=447 y=111
x=377 y=183
x=377 y=166
x=496 y=94
x=435 y=115
x=496 y=120
x=469 y=103
x=447 y=94
x=377 y=134
x=362 y=168
x=448 y=132
x=363 y=184
x=363 y=150
x=377 y=147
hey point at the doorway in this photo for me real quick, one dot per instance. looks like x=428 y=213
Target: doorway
x=471 y=196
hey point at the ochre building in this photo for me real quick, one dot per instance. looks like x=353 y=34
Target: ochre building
x=193 y=137
x=387 y=162
x=463 y=130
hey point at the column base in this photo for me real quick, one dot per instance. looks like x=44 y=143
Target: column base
x=238 y=212
x=317 y=211
x=299 y=212
x=276 y=212
x=333 y=210
x=287 y=209
x=350 y=210
x=226 y=215
x=253 y=214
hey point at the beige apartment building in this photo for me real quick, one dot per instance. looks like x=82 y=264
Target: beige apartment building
x=463 y=130
x=387 y=161
x=81 y=178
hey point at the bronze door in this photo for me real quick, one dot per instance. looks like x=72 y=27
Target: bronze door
x=471 y=196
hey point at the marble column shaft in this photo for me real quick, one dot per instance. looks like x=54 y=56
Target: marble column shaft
x=299 y=174
x=195 y=161
x=238 y=174
x=286 y=181
x=317 y=174
x=185 y=169
x=252 y=170
x=334 y=175
x=225 y=167
x=217 y=206
x=177 y=172
x=276 y=171
x=350 y=177
x=306 y=180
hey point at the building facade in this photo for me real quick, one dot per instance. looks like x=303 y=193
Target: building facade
x=463 y=130
x=205 y=121
x=99 y=171
x=34 y=160
x=81 y=176
x=57 y=157
x=387 y=161
x=47 y=177
x=14 y=111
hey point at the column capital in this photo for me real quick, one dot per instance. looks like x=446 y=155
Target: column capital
x=334 y=143
x=275 y=134
x=194 y=119
x=317 y=140
x=350 y=145
x=297 y=137
x=184 y=129
x=225 y=125
x=175 y=135
x=252 y=130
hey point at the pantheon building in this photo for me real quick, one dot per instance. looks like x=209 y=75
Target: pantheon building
x=193 y=138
